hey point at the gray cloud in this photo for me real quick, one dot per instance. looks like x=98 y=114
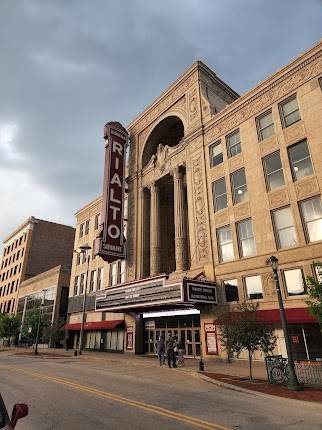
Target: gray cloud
x=68 y=66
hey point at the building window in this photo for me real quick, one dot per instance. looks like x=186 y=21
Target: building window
x=231 y=290
x=312 y=215
x=99 y=278
x=294 y=282
x=254 y=288
x=76 y=285
x=216 y=155
x=233 y=144
x=225 y=244
x=219 y=193
x=97 y=216
x=289 y=111
x=265 y=125
x=78 y=259
x=82 y=283
x=246 y=241
x=122 y=271
x=273 y=171
x=114 y=273
x=300 y=160
x=92 y=281
x=87 y=227
x=81 y=230
x=284 y=228
x=239 y=186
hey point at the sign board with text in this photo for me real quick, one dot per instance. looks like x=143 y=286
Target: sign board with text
x=211 y=339
x=200 y=292
x=140 y=294
x=110 y=245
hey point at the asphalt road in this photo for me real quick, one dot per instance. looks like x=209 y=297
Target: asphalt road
x=92 y=394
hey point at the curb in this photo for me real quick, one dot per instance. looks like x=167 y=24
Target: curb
x=253 y=392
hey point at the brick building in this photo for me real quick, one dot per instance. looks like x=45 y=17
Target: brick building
x=34 y=247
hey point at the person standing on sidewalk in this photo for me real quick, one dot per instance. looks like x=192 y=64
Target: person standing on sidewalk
x=181 y=350
x=170 y=345
x=160 y=349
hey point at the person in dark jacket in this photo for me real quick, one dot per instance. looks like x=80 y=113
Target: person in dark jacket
x=181 y=350
x=160 y=349
x=170 y=345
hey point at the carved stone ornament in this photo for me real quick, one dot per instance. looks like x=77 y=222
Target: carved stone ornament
x=161 y=157
x=307 y=187
x=268 y=283
x=242 y=211
x=164 y=104
x=217 y=172
x=295 y=132
x=236 y=162
x=268 y=145
x=278 y=198
x=222 y=217
x=193 y=105
x=200 y=209
x=273 y=92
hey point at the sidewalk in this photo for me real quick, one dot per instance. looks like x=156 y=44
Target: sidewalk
x=236 y=368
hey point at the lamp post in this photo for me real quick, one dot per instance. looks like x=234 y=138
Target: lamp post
x=293 y=383
x=83 y=249
x=42 y=304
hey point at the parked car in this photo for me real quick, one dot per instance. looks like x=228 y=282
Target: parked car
x=19 y=410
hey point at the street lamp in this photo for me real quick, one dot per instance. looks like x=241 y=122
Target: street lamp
x=84 y=250
x=42 y=304
x=293 y=383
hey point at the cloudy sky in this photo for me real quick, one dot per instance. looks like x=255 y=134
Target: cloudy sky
x=69 y=66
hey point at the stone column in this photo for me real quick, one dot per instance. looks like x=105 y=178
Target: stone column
x=155 y=239
x=145 y=233
x=180 y=221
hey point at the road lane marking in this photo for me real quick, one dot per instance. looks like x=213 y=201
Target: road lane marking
x=124 y=400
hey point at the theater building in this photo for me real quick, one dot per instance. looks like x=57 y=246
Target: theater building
x=217 y=183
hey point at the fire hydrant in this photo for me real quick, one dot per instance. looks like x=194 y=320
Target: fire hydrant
x=201 y=365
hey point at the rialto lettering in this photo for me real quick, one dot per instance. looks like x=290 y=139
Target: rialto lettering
x=110 y=244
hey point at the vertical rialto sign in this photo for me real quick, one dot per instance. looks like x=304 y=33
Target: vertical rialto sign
x=110 y=243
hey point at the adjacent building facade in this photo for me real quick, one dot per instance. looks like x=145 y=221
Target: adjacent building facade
x=217 y=183
x=103 y=330
x=34 y=247
x=47 y=291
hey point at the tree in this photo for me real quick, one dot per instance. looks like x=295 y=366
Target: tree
x=244 y=330
x=29 y=330
x=9 y=326
x=315 y=301
x=55 y=332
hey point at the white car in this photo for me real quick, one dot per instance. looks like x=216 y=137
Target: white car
x=19 y=410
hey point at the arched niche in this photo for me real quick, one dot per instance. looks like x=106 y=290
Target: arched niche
x=168 y=132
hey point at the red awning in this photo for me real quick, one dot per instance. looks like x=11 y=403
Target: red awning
x=95 y=325
x=294 y=315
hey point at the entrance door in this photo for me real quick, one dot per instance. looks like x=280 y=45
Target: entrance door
x=190 y=336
